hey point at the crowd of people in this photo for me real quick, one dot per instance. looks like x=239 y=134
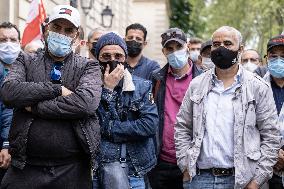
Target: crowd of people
x=211 y=118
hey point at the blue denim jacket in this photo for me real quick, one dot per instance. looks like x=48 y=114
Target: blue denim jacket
x=129 y=117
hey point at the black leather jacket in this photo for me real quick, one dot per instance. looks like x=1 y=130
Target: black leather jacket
x=159 y=78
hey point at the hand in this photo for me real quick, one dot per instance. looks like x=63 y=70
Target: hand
x=5 y=158
x=186 y=176
x=28 y=109
x=252 y=185
x=112 y=79
x=280 y=163
x=65 y=91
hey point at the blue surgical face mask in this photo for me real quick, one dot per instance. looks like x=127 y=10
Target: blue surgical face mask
x=59 y=45
x=193 y=55
x=276 y=67
x=178 y=59
x=9 y=51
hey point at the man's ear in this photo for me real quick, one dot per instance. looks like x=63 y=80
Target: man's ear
x=241 y=48
x=163 y=51
x=200 y=58
x=77 y=34
x=144 y=44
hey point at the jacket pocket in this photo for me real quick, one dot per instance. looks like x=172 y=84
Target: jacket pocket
x=251 y=132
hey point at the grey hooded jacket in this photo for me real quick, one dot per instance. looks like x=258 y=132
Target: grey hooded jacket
x=256 y=136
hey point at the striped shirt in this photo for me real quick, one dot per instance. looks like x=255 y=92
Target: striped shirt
x=217 y=149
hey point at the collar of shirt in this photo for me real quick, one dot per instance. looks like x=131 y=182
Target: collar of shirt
x=273 y=84
x=237 y=77
x=170 y=72
x=140 y=62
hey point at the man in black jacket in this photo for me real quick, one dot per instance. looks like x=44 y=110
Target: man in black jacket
x=55 y=93
x=169 y=86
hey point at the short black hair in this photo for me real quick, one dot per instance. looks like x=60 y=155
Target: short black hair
x=137 y=26
x=10 y=25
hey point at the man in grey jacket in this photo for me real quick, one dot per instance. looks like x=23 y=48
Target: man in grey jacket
x=226 y=134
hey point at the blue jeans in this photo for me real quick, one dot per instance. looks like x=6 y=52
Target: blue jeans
x=209 y=181
x=135 y=183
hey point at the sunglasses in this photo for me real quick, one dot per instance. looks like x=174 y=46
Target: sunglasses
x=108 y=57
x=55 y=73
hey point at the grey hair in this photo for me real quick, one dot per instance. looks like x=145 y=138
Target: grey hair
x=230 y=29
x=101 y=30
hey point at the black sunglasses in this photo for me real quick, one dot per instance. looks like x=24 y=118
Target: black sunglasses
x=108 y=56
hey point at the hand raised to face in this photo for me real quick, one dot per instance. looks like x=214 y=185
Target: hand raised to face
x=112 y=79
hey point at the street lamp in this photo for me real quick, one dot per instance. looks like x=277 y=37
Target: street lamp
x=107 y=17
x=86 y=5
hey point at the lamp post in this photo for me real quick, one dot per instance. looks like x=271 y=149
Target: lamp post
x=86 y=6
x=107 y=17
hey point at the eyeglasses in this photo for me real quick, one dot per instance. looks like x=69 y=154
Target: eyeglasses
x=55 y=73
x=108 y=57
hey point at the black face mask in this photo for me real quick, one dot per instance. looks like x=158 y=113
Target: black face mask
x=134 y=48
x=224 y=58
x=112 y=65
x=93 y=49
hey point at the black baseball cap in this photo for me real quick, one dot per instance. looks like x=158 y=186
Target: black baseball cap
x=275 y=41
x=173 y=34
x=205 y=45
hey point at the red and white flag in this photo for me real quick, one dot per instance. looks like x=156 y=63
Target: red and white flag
x=36 y=16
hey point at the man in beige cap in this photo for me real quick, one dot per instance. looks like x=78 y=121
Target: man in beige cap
x=55 y=93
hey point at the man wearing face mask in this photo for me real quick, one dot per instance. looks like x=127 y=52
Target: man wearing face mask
x=137 y=64
x=226 y=134
x=54 y=136
x=194 y=46
x=204 y=59
x=275 y=77
x=250 y=60
x=93 y=38
x=9 y=51
x=79 y=42
x=170 y=85
x=128 y=119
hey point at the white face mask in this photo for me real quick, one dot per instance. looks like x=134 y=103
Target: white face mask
x=9 y=51
x=250 y=66
x=193 y=55
x=207 y=62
